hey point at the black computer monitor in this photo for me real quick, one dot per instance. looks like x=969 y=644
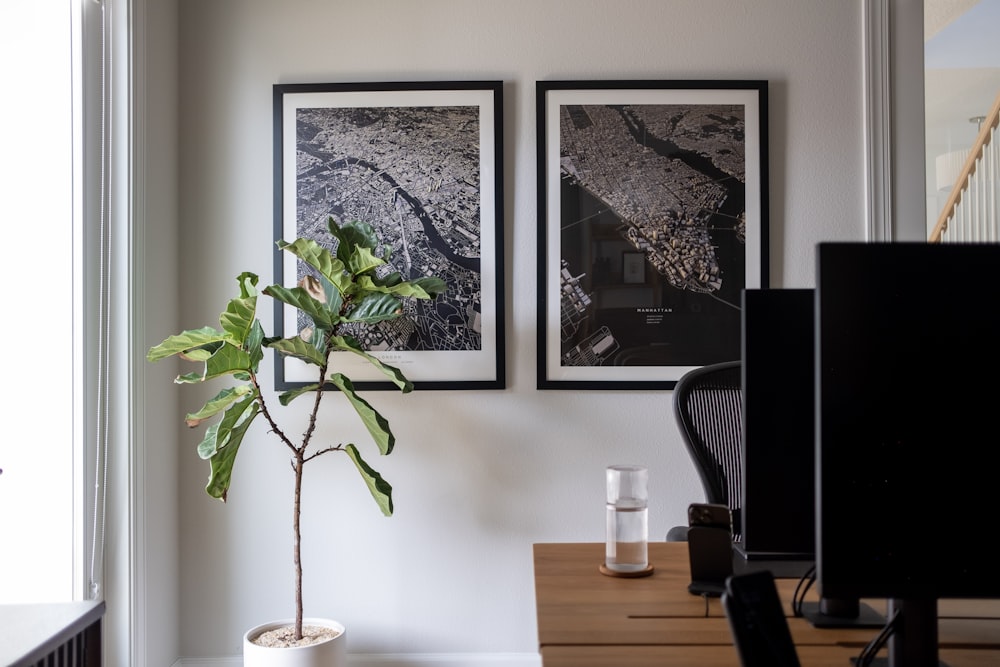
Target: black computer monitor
x=777 y=348
x=908 y=451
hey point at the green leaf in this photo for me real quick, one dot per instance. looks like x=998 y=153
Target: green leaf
x=354 y=234
x=380 y=489
x=248 y=284
x=239 y=316
x=316 y=336
x=227 y=360
x=294 y=346
x=334 y=299
x=301 y=299
x=218 y=403
x=253 y=345
x=394 y=375
x=236 y=419
x=355 y=247
x=289 y=396
x=222 y=463
x=189 y=378
x=348 y=343
x=431 y=285
x=362 y=260
x=185 y=341
x=209 y=444
x=377 y=425
x=388 y=280
x=391 y=372
x=375 y=307
x=421 y=288
x=318 y=257
x=202 y=353
x=225 y=456
x=312 y=254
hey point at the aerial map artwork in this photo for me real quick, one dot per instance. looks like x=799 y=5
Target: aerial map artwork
x=422 y=163
x=414 y=174
x=652 y=233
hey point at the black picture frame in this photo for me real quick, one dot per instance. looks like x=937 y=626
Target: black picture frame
x=676 y=170
x=423 y=163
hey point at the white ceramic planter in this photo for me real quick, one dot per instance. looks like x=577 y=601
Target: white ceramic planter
x=332 y=653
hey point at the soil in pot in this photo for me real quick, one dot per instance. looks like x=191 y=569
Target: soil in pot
x=324 y=645
x=284 y=637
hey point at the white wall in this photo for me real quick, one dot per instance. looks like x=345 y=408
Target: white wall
x=478 y=476
x=157 y=614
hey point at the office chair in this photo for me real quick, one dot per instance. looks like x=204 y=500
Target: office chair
x=708 y=403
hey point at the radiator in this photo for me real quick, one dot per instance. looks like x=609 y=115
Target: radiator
x=51 y=635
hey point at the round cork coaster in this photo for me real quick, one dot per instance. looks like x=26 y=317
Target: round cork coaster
x=648 y=570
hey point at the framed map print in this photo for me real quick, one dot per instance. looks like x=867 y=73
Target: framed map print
x=652 y=218
x=422 y=163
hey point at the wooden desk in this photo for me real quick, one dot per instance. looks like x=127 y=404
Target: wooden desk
x=587 y=619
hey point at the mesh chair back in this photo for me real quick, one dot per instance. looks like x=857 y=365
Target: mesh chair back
x=708 y=402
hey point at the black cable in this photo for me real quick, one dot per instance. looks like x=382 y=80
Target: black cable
x=869 y=652
x=805 y=583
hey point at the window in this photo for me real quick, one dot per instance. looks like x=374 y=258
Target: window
x=51 y=56
x=961 y=83
x=39 y=487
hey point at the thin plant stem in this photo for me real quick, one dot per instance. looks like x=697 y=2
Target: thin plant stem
x=297 y=543
x=299 y=468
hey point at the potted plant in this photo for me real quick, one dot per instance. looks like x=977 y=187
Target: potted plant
x=343 y=288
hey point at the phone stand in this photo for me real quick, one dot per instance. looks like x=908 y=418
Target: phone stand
x=710 y=550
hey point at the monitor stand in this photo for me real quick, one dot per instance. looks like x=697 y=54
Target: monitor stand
x=827 y=613
x=759 y=554
x=781 y=565
x=914 y=642
x=830 y=613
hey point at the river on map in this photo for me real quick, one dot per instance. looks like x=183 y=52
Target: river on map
x=433 y=238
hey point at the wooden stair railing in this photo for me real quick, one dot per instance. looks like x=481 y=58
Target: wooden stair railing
x=970 y=213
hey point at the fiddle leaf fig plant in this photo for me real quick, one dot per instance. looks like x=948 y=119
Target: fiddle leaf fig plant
x=342 y=289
